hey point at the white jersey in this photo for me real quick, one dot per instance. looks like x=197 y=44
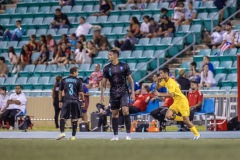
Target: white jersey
x=22 y=98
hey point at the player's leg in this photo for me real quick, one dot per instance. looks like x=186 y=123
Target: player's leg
x=172 y=111
x=115 y=106
x=76 y=109
x=126 y=115
x=74 y=128
x=63 y=116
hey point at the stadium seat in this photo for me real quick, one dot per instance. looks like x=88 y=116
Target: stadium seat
x=215 y=64
x=101 y=58
x=112 y=19
x=53 y=8
x=134 y=57
x=39 y=69
x=2 y=80
x=220 y=77
x=62 y=31
x=197 y=29
x=154 y=41
x=71 y=19
x=234 y=64
x=41 y=32
x=66 y=9
x=49 y=69
x=76 y=8
x=44 y=9
x=27 y=71
x=32 y=10
x=35 y=56
x=21 y=80
x=9 y=82
x=21 y=10
x=116 y=30
x=36 y=93
x=37 y=21
x=72 y=30
x=146 y=55
x=200 y=18
x=41 y=82
x=123 y=18
x=30 y=32
x=91 y=19
x=141 y=71
x=185 y=65
x=106 y=30
x=53 y=32
x=83 y=68
x=132 y=66
x=205 y=52
x=12 y=43
x=124 y=55
x=152 y=6
x=102 y=19
x=59 y=71
x=50 y=84
x=232 y=77
x=87 y=8
x=47 y=20
x=230 y=52
x=141 y=43
x=225 y=64
x=4 y=21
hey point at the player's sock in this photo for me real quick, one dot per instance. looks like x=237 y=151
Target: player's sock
x=127 y=121
x=74 y=128
x=115 y=125
x=178 y=118
x=194 y=130
x=62 y=125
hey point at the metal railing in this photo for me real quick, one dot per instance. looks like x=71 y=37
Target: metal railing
x=162 y=52
x=222 y=10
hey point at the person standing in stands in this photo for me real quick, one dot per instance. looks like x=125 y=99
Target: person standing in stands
x=180 y=104
x=73 y=100
x=15 y=106
x=195 y=98
x=55 y=92
x=118 y=73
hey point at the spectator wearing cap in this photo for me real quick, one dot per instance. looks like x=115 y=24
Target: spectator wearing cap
x=153 y=28
x=3 y=68
x=60 y=20
x=189 y=14
x=207 y=79
x=144 y=29
x=182 y=81
x=84 y=27
x=237 y=39
x=128 y=43
x=228 y=38
x=195 y=98
x=101 y=41
x=167 y=28
x=16 y=34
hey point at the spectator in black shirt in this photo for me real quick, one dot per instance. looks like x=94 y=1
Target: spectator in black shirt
x=118 y=73
x=182 y=81
x=60 y=20
x=166 y=28
x=73 y=100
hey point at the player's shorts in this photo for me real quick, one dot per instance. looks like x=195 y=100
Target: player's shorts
x=182 y=107
x=71 y=110
x=119 y=102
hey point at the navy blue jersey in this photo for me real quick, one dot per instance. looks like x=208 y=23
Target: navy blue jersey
x=117 y=76
x=71 y=87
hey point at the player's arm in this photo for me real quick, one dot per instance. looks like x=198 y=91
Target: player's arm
x=103 y=88
x=169 y=94
x=60 y=94
x=131 y=82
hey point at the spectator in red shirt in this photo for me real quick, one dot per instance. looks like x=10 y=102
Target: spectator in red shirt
x=25 y=56
x=195 y=98
x=63 y=54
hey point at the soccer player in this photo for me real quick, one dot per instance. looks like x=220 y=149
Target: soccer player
x=118 y=73
x=73 y=99
x=180 y=103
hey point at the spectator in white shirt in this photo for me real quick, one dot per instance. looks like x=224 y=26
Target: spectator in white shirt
x=190 y=14
x=3 y=98
x=144 y=29
x=237 y=39
x=178 y=15
x=81 y=55
x=84 y=27
x=228 y=38
x=207 y=79
x=15 y=106
x=215 y=39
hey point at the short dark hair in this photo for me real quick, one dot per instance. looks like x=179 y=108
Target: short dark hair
x=83 y=18
x=73 y=70
x=219 y=25
x=18 y=85
x=3 y=88
x=151 y=19
x=58 y=10
x=2 y=59
x=165 y=70
x=146 y=16
x=164 y=10
x=114 y=51
x=73 y=34
x=194 y=64
x=147 y=88
x=19 y=21
x=207 y=57
x=194 y=81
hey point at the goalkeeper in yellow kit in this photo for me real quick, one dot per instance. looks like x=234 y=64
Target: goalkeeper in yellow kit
x=180 y=103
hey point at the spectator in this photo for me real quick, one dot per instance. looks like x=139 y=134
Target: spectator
x=44 y=56
x=96 y=77
x=43 y=41
x=51 y=43
x=167 y=28
x=80 y=55
x=67 y=2
x=237 y=39
x=153 y=85
x=84 y=27
x=16 y=34
x=159 y=113
x=214 y=40
x=207 y=79
x=60 y=20
x=73 y=42
x=190 y=14
x=137 y=88
x=206 y=60
x=195 y=98
x=13 y=59
x=192 y=74
x=55 y=92
x=85 y=108
x=128 y=43
x=15 y=106
x=63 y=54
x=153 y=28
x=137 y=4
x=228 y=38
x=163 y=12
x=144 y=29
x=101 y=41
x=182 y=81
x=64 y=39
x=83 y=40
x=91 y=49
x=25 y=56
x=3 y=99
x=178 y=15
x=3 y=68
x=105 y=6
x=135 y=27
x=33 y=44
x=220 y=4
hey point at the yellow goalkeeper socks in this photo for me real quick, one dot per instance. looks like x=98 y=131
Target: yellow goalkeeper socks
x=194 y=130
